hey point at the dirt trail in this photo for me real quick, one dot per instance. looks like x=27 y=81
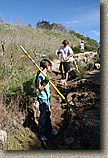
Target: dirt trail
x=92 y=75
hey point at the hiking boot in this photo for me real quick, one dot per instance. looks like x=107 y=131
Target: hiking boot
x=54 y=133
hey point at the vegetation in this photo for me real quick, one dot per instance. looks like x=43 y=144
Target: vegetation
x=46 y=25
x=20 y=138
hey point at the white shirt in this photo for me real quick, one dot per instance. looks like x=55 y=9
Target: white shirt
x=82 y=45
x=71 y=59
x=66 y=52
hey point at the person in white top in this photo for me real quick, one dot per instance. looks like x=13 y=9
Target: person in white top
x=82 y=46
x=66 y=52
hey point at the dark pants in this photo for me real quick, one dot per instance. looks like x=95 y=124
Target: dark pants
x=44 y=120
x=66 y=66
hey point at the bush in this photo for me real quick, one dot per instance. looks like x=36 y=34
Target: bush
x=78 y=35
x=76 y=49
x=96 y=58
x=82 y=70
x=20 y=84
x=89 y=48
x=90 y=66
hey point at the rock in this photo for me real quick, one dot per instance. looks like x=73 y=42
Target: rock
x=3 y=138
x=63 y=82
x=85 y=59
x=69 y=140
x=36 y=105
x=97 y=65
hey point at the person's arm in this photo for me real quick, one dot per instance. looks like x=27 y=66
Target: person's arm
x=41 y=87
x=60 y=50
x=71 y=54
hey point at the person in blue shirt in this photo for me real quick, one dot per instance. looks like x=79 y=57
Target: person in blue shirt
x=42 y=83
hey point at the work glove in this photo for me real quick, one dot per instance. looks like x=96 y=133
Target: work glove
x=58 y=53
x=46 y=81
x=50 y=98
x=61 y=51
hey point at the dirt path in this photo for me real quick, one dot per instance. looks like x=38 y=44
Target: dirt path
x=92 y=75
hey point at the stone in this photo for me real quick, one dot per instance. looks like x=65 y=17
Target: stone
x=69 y=140
x=3 y=138
x=97 y=65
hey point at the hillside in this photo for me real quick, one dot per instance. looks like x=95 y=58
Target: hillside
x=18 y=94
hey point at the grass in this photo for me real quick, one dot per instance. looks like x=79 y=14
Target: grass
x=20 y=84
x=20 y=138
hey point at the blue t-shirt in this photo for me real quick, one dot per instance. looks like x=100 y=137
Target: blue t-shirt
x=45 y=93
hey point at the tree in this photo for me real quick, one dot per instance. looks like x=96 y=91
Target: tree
x=46 y=25
x=43 y=24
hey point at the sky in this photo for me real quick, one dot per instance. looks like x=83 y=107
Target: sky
x=82 y=16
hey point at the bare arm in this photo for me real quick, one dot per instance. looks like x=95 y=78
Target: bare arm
x=71 y=55
x=41 y=87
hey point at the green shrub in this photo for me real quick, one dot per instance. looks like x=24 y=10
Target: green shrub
x=76 y=50
x=82 y=70
x=20 y=84
x=90 y=66
x=96 y=58
x=89 y=48
x=78 y=35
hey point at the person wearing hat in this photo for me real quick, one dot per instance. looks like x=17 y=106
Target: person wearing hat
x=66 y=52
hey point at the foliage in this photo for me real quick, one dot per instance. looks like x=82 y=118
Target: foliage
x=96 y=58
x=46 y=25
x=90 y=66
x=20 y=84
x=78 y=35
x=76 y=49
x=20 y=138
x=89 y=48
x=82 y=70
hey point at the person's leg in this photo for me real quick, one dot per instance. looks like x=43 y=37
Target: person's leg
x=75 y=65
x=48 y=123
x=67 y=68
x=42 y=118
x=48 y=120
x=67 y=75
